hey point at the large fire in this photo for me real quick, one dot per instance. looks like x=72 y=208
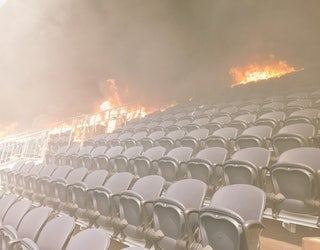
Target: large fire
x=260 y=71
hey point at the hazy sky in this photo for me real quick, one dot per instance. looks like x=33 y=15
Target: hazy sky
x=56 y=55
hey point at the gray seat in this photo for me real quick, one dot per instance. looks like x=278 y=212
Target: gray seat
x=70 y=157
x=196 y=124
x=46 y=183
x=297 y=105
x=172 y=167
x=242 y=122
x=222 y=138
x=204 y=166
x=146 y=164
x=245 y=166
x=5 y=203
x=134 y=139
x=271 y=107
x=16 y=178
x=101 y=203
x=194 y=139
x=29 y=227
x=309 y=116
x=136 y=206
x=217 y=123
x=179 y=125
x=123 y=162
x=273 y=119
x=293 y=136
x=93 y=238
x=84 y=158
x=60 y=188
x=76 y=204
x=54 y=235
x=13 y=217
x=256 y=136
x=169 y=141
x=22 y=176
x=101 y=157
x=117 y=141
x=228 y=223
x=295 y=182
x=32 y=182
x=174 y=217
x=15 y=213
x=151 y=139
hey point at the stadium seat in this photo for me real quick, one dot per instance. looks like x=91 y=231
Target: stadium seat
x=245 y=166
x=29 y=227
x=101 y=157
x=136 y=206
x=175 y=215
x=54 y=235
x=256 y=136
x=293 y=136
x=92 y=238
x=295 y=182
x=146 y=163
x=172 y=166
x=101 y=206
x=228 y=223
x=204 y=166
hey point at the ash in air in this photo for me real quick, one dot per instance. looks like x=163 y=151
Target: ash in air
x=56 y=55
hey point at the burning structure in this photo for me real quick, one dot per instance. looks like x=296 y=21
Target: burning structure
x=176 y=144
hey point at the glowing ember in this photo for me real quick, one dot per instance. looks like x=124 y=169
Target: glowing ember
x=262 y=71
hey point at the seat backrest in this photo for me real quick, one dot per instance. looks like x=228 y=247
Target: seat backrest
x=132 y=152
x=27 y=167
x=36 y=169
x=100 y=150
x=149 y=187
x=5 y=204
x=16 y=212
x=176 y=134
x=222 y=119
x=139 y=135
x=227 y=133
x=113 y=151
x=215 y=155
x=180 y=153
x=60 y=172
x=154 y=153
x=56 y=233
x=199 y=134
x=237 y=197
x=47 y=170
x=119 y=182
x=156 y=135
x=85 y=150
x=96 y=178
x=305 y=155
x=93 y=238
x=275 y=115
x=245 y=118
x=309 y=113
x=261 y=131
x=189 y=192
x=260 y=157
x=303 y=129
x=77 y=174
x=32 y=222
x=125 y=136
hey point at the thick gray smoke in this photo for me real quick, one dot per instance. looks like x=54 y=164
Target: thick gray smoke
x=56 y=55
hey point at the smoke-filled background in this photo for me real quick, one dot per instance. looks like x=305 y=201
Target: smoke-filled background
x=56 y=55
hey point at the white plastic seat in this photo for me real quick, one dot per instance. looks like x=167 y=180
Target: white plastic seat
x=54 y=235
x=92 y=238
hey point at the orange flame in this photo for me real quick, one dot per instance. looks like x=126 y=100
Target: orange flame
x=262 y=71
